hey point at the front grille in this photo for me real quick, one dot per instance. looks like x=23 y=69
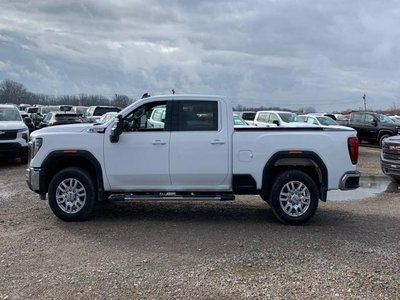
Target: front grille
x=391 y=151
x=391 y=156
x=8 y=134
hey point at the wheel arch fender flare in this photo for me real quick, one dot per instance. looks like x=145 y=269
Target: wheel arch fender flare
x=73 y=156
x=289 y=158
x=383 y=132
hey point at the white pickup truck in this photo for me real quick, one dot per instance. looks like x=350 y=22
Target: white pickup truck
x=196 y=155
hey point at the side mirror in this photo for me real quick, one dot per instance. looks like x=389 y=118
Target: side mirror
x=276 y=122
x=117 y=129
x=375 y=122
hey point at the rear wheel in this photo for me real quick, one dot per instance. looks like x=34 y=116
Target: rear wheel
x=294 y=197
x=72 y=194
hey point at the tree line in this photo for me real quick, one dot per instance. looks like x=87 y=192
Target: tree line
x=16 y=93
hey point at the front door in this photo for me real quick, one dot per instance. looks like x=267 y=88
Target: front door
x=139 y=160
x=370 y=127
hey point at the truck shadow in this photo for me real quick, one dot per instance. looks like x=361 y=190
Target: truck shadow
x=215 y=224
x=9 y=162
x=188 y=211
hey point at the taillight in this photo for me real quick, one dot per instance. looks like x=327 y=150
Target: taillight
x=352 y=144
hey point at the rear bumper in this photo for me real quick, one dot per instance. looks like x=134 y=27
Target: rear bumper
x=350 y=180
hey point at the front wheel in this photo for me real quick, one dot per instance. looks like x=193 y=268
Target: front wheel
x=384 y=136
x=294 y=197
x=72 y=194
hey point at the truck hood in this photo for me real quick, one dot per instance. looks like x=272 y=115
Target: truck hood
x=10 y=125
x=393 y=139
x=63 y=128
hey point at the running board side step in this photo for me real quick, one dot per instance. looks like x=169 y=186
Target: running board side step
x=166 y=197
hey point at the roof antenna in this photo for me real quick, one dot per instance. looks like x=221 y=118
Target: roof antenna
x=145 y=95
x=173 y=92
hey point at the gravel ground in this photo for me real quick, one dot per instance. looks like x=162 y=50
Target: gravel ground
x=228 y=250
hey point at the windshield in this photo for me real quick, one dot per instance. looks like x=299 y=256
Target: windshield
x=81 y=110
x=289 y=117
x=249 y=116
x=32 y=110
x=47 y=109
x=99 y=111
x=326 y=121
x=67 y=117
x=238 y=120
x=9 y=114
x=384 y=119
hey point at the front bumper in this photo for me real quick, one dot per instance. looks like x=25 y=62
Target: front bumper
x=390 y=167
x=33 y=176
x=350 y=180
x=13 y=150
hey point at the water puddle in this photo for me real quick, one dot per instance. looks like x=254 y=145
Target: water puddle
x=370 y=186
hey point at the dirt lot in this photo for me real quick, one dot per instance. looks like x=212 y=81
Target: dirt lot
x=227 y=250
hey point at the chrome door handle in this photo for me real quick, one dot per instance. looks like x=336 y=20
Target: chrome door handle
x=217 y=142
x=158 y=142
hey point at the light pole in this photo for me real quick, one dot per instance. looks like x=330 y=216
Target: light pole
x=365 y=102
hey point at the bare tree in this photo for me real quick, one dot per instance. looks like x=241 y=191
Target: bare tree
x=12 y=92
x=121 y=100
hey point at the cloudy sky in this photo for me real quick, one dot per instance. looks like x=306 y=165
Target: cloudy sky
x=288 y=53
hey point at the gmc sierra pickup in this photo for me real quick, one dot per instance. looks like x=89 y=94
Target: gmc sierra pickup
x=196 y=154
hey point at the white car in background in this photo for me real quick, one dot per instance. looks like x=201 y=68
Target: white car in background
x=323 y=121
x=247 y=116
x=108 y=116
x=14 y=134
x=279 y=118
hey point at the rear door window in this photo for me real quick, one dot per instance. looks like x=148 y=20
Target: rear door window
x=197 y=115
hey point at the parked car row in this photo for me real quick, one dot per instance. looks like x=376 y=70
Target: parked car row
x=370 y=126
x=14 y=134
x=17 y=123
x=288 y=119
x=37 y=117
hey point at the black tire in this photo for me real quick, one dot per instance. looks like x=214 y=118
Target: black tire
x=265 y=198
x=395 y=179
x=383 y=136
x=24 y=160
x=306 y=200
x=73 y=206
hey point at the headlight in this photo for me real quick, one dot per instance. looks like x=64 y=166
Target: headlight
x=35 y=145
x=25 y=133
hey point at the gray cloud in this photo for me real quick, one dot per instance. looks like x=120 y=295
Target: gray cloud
x=289 y=53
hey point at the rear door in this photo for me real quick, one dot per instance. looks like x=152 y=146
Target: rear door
x=199 y=145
